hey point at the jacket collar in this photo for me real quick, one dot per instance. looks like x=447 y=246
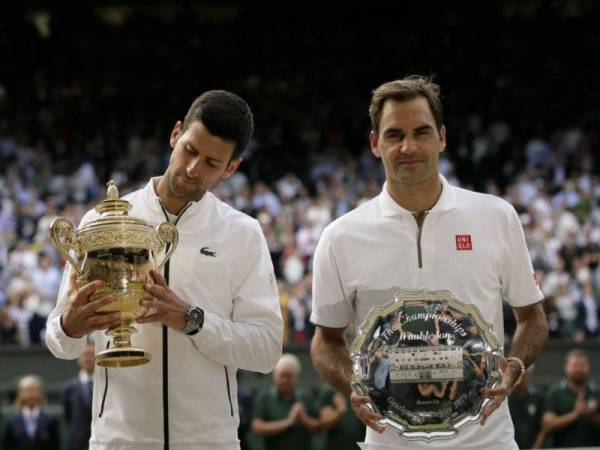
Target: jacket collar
x=389 y=207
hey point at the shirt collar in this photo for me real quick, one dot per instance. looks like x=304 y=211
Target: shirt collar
x=390 y=208
x=191 y=208
x=30 y=413
x=84 y=377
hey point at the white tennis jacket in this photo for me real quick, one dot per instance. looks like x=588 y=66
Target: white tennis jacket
x=186 y=397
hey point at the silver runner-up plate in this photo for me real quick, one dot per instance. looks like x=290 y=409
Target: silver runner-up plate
x=423 y=358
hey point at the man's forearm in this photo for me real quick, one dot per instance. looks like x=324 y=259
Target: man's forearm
x=531 y=334
x=331 y=358
x=268 y=428
x=552 y=422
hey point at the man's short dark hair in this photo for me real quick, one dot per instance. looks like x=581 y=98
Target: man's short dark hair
x=576 y=353
x=224 y=114
x=408 y=88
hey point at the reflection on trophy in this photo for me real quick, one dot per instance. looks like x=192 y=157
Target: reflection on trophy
x=119 y=250
x=423 y=358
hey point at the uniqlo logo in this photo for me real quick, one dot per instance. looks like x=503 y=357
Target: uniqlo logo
x=463 y=242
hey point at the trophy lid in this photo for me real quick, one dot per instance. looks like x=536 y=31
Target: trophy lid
x=112 y=205
x=115 y=228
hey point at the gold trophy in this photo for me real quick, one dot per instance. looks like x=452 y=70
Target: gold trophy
x=119 y=250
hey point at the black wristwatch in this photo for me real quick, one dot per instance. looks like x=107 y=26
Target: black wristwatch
x=194 y=319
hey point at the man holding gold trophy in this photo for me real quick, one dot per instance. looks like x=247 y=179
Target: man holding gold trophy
x=171 y=342
x=422 y=270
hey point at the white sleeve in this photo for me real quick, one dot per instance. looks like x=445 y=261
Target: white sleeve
x=252 y=339
x=59 y=344
x=519 y=286
x=57 y=341
x=330 y=305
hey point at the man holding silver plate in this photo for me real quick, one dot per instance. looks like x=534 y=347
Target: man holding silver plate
x=214 y=309
x=423 y=269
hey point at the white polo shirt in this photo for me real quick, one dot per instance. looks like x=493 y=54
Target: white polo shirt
x=471 y=244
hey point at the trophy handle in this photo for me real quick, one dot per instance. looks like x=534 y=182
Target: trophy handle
x=167 y=232
x=62 y=232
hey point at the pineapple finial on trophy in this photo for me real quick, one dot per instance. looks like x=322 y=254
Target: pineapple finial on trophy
x=113 y=192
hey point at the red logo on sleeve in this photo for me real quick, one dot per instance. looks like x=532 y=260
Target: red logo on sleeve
x=463 y=242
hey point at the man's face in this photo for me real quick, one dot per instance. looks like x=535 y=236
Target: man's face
x=198 y=162
x=31 y=394
x=408 y=142
x=285 y=379
x=577 y=369
x=87 y=359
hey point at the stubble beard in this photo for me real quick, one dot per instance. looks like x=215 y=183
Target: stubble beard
x=178 y=188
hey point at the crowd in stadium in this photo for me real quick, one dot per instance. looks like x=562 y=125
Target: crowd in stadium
x=555 y=191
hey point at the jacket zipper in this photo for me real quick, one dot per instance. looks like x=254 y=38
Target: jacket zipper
x=101 y=411
x=420 y=218
x=228 y=391
x=165 y=342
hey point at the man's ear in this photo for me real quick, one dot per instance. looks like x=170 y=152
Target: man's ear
x=374 y=144
x=443 y=138
x=177 y=130
x=232 y=166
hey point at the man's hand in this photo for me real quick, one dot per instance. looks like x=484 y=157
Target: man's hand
x=509 y=376
x=170 y=309
x=369 y=418
x=81 y=316
x=582 y=407
x=339 y=403
x=296 y=411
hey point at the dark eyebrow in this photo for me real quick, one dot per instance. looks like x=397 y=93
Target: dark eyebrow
x=423 y=128
x=392 y=131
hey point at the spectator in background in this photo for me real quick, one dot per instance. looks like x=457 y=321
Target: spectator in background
x=526 y=405
x=343 y=428
x=31 y=428
x=45 y=278
x=19 y=299
x=588 y=314
x=285 y=415
x=77 y=401
x=571 y=409
x=8 y=328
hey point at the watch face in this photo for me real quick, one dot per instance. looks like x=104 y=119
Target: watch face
x=196 y=316
x=194 y=319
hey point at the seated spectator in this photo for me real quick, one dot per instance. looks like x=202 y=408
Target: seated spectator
x=8 y=328
x=588 y=314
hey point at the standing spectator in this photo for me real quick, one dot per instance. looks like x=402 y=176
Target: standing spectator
x=572 y=405
x=526 y=405
x=343 y=428
x=284 y=414
x=31 y=428
x=77 y=401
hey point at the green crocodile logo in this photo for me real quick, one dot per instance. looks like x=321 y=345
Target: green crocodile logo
x=206 y=251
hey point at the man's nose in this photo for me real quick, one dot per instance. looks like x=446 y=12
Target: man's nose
x=192 y=168
x=408 y=145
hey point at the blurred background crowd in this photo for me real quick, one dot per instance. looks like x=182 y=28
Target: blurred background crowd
x=90 y=93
